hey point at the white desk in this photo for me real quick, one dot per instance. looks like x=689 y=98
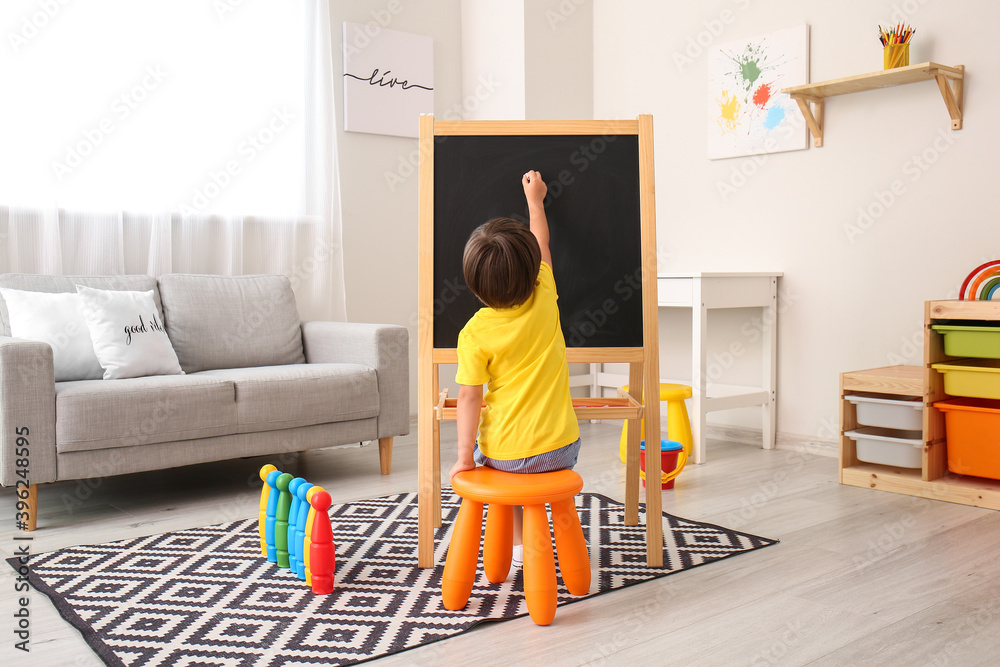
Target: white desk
x=704 y=291
x=710 y=291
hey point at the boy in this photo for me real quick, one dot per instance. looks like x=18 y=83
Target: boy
x=516 y=345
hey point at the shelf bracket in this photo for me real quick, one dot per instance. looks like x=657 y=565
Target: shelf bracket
x=954 y=96
x=812 y=110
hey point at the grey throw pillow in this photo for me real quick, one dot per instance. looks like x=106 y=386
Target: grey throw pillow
x=231 y=321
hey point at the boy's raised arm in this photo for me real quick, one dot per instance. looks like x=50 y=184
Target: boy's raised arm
x=534 y=192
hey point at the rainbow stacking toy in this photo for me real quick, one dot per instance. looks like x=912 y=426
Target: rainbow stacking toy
x=982 y=284
x=295 y=530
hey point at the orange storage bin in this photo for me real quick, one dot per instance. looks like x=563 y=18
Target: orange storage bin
x=972 y=431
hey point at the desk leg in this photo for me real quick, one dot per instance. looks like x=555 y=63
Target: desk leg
x=769 y=364
x=632 y=438
x=596 y=390
x=699 y=375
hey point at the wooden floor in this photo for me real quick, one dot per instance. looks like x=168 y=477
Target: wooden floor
x=860 y=577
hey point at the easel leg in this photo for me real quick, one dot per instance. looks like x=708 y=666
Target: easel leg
x=632 y=437
x=436 y=382
x=425 y=477
x=654 y=490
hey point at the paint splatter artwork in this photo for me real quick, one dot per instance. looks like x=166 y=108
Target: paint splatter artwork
x=747 y=112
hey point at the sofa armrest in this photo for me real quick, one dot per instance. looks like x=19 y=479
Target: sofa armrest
x=384 y=347
x=28 y=410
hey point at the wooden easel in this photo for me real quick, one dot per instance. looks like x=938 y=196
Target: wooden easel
x=433 y=406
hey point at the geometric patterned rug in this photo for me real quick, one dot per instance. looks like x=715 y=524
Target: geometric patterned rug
x=205 y=596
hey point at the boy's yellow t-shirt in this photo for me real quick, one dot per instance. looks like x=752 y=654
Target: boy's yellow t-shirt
x=520 y=352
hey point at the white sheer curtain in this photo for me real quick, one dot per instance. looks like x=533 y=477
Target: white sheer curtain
x=183 y=136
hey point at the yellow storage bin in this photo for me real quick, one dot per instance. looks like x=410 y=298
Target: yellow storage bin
x=975 y=378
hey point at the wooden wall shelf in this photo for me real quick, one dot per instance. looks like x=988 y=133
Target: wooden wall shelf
x=811 y=97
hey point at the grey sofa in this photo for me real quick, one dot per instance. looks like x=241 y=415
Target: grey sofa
x=256 y=381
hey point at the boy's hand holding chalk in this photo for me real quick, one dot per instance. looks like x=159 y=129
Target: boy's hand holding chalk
x=534 y=188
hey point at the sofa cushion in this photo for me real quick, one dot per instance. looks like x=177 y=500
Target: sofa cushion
x=39 y=283
x=127 y=335
x=231 y=321
x=94 y=414
x=56 y=319
x=276 y=397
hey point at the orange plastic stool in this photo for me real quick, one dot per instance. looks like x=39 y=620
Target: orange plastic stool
x=503 y=490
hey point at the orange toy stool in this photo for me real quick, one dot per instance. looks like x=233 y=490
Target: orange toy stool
x=503 y=490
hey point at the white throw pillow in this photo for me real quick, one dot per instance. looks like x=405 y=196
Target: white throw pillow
x=129 y=338
x=56 y=319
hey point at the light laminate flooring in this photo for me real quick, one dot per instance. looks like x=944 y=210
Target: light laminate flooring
x=861 y=577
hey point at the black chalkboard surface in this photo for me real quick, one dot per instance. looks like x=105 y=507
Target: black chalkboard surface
x=594 y=225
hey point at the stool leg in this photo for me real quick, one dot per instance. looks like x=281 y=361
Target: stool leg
x=678 y=424
x=574 y=561
x=498 y=543
x=463 y=556
x=539 y=566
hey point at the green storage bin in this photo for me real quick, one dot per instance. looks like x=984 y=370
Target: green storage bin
x=970 y=340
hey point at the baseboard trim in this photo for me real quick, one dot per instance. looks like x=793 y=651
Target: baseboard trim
x=785 y=441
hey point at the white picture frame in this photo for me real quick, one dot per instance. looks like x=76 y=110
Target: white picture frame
x=747 y=113
x=388 y=79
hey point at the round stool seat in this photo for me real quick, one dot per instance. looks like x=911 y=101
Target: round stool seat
x=487 y=485
x=670 y=391
x=674 y=392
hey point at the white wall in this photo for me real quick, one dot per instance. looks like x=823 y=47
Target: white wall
x=847 y=302
x=378 y=174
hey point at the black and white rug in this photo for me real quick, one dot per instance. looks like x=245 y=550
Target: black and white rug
x=205 y=596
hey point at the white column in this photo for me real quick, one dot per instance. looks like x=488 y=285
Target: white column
x=492 y=60
x=527 y=59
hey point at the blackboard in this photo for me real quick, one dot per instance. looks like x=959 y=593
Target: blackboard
x=593 y=212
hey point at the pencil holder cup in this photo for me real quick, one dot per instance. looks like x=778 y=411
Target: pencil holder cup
x=895 y=55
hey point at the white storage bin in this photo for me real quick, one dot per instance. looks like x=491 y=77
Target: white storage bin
x=906 y=414
x=888 y=447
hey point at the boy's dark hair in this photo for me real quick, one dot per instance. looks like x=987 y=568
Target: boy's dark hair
x=501 y=263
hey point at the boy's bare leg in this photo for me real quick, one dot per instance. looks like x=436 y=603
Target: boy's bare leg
x=517 y=557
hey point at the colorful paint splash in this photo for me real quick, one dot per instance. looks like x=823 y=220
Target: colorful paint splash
x=775 y=116
x=729 y=112
x=761 y=106
x=751 y=64
x=762 y=95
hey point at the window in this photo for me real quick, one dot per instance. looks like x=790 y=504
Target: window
x=189 y=106
x=154 y=136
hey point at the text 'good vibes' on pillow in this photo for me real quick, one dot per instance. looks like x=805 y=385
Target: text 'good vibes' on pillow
x=129 y=338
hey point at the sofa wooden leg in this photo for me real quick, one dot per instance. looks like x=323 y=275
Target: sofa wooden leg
x=31 y=522
x=385 y=454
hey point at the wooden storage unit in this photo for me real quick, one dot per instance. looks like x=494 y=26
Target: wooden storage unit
x=933 y=480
